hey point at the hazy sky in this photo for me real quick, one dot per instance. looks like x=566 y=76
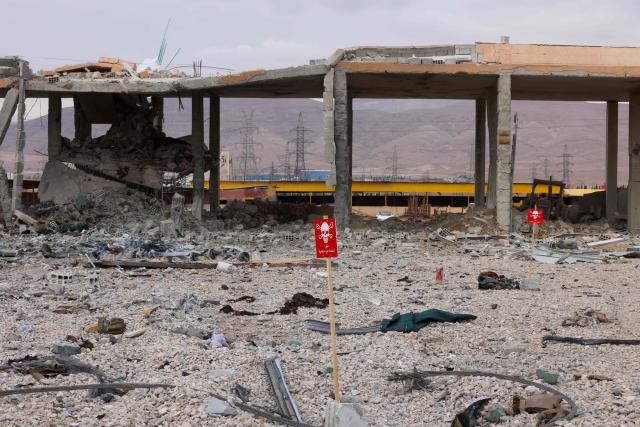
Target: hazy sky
x=248 y=34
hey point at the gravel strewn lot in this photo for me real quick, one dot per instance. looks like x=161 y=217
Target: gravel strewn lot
x=504 y=339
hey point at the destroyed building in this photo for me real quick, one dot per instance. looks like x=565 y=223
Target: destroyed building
x=461 y=320
x=111 y=91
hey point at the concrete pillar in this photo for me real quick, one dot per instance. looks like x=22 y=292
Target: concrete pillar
x=492 y=122
x=197 y=148
x=504 y=158
x=7 y=111
x=214 y=151
x=82 y=125
x=633 y=196
x=342 y=125
x=350 y=148
x=612 y=160
x=16 y=195
x=158 y=112
x=481 y=112
x=54 y=126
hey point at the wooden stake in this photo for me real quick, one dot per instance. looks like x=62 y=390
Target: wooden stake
x=533 y=244
x=332 y=330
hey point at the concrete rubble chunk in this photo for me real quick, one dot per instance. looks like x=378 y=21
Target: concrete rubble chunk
x=66 y=348
x=547 y=376
x=216 y=406
x=221 y=373
x=495 y=413
x=225 y=267
x=344 y=415
x=530 y=284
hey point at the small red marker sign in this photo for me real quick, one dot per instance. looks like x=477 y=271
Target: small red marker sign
x=326 y=239
x=535 y=216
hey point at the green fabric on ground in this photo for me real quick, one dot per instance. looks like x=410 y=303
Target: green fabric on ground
x=409 y=322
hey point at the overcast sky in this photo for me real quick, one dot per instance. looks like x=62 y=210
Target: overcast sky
x=249 y=34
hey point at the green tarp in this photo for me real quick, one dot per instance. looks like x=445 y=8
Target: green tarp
x=409 y=322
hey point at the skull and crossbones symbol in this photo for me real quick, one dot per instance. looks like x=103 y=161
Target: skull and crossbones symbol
x=325 y=232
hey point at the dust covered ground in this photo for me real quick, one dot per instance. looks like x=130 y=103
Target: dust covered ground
x=505 y=337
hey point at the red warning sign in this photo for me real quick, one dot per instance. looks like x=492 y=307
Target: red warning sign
x=535 y=216
x=326 y=238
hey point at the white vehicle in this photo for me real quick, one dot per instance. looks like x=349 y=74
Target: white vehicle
x=384 y=215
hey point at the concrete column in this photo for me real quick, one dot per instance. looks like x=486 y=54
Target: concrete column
x=158 y=112
x=504 y=159
x=633 y=196
x=197 y=148
x=350 y=147
x=82 y=125
x=342 y=125
x=492 y=122
x=54 y=126
x=16 y=195
x=481 y=112
x=612 y=160
x=214 y=151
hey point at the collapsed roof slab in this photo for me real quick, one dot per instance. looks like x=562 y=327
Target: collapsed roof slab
x=303 y=81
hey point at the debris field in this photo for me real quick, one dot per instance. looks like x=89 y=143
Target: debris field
x=205 y=333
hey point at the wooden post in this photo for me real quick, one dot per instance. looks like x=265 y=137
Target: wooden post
x=533 y=244
x=332 y=329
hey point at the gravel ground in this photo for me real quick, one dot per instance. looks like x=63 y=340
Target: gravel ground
x=505 y=338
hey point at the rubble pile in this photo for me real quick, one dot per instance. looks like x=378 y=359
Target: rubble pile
x=255 y=213
x=108 y=68
x=132 y=141
x=116 y=211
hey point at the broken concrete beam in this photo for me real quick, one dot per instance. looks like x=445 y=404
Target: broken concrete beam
x=154 y=264
x=7 y=111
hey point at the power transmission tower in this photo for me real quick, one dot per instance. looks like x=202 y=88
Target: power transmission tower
x=300 y=142
x=566 y=165
x=248 y=158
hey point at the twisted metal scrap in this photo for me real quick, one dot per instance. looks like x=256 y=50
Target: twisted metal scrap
x=573 y=409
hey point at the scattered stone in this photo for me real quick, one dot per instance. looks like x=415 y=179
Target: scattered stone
x=441 y=396
x=344 y=415
x=135 y=334
x=530 y=284
x=495 y=413
x=65 y=348
x=221 y=373
x=547 y=376
x=216 y=406
x=225 y=267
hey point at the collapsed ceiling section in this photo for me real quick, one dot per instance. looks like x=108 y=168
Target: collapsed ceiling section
x=134 y=150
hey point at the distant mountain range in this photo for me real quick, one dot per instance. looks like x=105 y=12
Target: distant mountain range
x=433 y=138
